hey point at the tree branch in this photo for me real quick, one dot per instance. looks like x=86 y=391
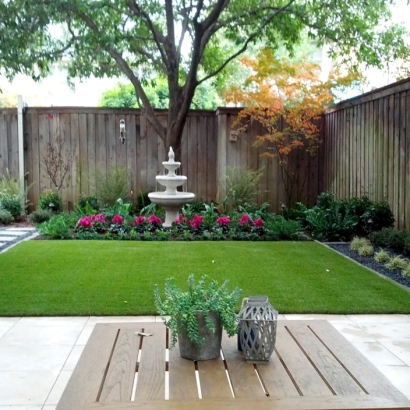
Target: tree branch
x=126 y=69
x=157 y=35
x=248 y=40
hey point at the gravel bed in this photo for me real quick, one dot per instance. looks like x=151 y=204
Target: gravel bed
x=369 y=262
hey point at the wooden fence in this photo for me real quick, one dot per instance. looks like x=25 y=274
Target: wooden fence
x=367 y=148
x=91 y=135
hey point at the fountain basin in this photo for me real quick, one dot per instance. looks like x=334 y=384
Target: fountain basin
x=171 y=183
x=172 y=203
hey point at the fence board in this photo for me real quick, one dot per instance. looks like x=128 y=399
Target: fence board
x=378 y=153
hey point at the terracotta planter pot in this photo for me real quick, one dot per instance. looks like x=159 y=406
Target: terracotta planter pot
x=210 y=348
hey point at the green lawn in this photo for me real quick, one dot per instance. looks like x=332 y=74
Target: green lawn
x=117 y=278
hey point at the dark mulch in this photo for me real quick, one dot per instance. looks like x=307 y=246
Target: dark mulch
x=369 y=261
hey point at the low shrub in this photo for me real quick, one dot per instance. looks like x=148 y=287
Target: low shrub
x=284 y=229
x=112 y=186
x=50 y=200
x=6 y=217
x=59 y=226
x=12 y=204
x=241 y=186
x=398 y=240
x=40 y=215
x=330 y=224
x=92 y=202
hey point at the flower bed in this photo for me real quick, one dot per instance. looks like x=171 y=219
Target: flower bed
x=197 y=228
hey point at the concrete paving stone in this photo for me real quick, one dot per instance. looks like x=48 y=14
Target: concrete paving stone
x=388 y=331
x=337 y=318
x=27 y=357
x=2 y=243
x=54 y=320
x=366 y=319
x=29 y=388
x=58 y=388
x=377 y=354
x=6 y=323
x=399 y=376
x=14 y=233
x=352 y=332
x=22 y=407
x=85 y=335
x=42 y=335
x=21 y=229
x=401 y=349
x=73 y=358
x=7 y=238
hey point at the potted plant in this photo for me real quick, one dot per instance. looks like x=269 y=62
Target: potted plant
x=198 y=315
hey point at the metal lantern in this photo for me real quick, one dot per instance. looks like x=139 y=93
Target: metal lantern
x=257 y=329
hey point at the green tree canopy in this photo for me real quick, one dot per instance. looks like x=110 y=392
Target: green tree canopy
x=182 y=40
x=123 y=95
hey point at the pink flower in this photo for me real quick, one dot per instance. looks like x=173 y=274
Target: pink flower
x=154 y=220
x=100 y=218
x=118 y=219
x=181 y=220
x=139 y=220
x=85 y=222
x=244 y=220
x=223 y=220
x=196 y=221
x=258 y=222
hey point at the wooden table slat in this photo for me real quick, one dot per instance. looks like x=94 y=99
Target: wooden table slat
x=182 y=381
x=276 y=379
x=213 y=379
x=268 y=403
x=245 y=382
x=327 y=365
x=85 y=382
x=151 y=370
x=120 y=376
x=303 y=373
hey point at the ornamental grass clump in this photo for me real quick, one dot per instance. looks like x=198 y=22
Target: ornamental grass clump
x=397 y=262
x=366 y=250
x=358 y=243
x=382 y=256
x=182 y=306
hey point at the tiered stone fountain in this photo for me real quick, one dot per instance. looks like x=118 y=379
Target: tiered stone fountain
x=171 y=199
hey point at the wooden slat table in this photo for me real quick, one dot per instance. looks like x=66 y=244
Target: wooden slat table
x=313 y=367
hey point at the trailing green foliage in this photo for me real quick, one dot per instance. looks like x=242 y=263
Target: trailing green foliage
x=182 y=306
x=6 y=217
x=112 y=186
x=50 y=200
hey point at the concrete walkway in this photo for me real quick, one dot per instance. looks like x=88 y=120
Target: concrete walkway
x=38 y=354
x=11 y=236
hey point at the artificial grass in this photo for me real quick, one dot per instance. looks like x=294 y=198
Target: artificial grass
x=50 y=278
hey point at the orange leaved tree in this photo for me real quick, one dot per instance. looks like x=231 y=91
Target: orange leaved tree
x=288 y=99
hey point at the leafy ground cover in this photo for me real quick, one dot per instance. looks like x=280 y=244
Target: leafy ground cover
x=117 y=277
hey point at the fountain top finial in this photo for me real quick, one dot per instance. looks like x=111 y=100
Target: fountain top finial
x=171 y=155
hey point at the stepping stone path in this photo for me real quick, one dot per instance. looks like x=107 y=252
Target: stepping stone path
x=11 y=236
